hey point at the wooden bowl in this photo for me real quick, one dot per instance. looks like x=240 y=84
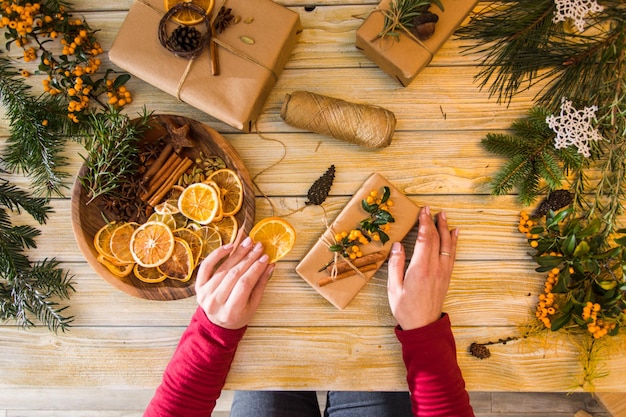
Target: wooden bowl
x=87 y=219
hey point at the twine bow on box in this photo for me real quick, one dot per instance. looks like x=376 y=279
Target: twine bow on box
x=392 y=22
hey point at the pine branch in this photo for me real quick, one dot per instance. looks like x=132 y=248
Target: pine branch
x=16 y=200
x=33 y=148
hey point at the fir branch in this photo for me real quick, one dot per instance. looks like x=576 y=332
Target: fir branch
x=16 y=200
x=33 y=148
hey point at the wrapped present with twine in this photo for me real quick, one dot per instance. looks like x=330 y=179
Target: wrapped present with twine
x=400 y=52
x=338 y=279
x=230 y=75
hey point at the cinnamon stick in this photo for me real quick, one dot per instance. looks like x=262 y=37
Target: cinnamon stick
x=157 y=180
x=363 y=268
x=215 y=61
x=170 y=181
x=363 y=260
x=158 y=163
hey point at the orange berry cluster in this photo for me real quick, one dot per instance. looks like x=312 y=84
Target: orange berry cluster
x=525 y=226
x=546 y=306
x=70 y=75
x=596 y=326
x=348 y=243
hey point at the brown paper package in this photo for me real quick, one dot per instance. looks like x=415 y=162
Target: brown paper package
x=405 y=58
x=341 y=292
x=238 y=94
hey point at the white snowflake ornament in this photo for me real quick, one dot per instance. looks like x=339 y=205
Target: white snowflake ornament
x=576 y=10
x=573 y=127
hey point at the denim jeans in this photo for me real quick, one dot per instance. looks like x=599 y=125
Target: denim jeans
x=305 y=404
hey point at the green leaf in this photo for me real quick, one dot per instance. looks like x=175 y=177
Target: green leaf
x=581 y=250
x=561 y=284
x=121 y=80
x=568 y=245
x=549 y=261
x=560 y=321
x=384 y=237
x=386 y=195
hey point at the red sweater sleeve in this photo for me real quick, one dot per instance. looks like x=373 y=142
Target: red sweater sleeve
x=434 y=377
x=194 y=378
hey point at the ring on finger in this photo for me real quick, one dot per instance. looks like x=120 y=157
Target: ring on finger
x=444 y=253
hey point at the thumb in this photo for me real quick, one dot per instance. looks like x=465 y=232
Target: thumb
x=396 y=267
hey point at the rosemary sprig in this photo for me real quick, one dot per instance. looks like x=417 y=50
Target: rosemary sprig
x=112 y=151
x=401 y=14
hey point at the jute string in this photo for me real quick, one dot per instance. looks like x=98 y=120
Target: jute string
x=361 y=124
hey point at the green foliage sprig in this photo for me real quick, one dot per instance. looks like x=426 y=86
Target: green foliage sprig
x=112 y=151
x=401 y=14
x=534 y=165
x=28 y=288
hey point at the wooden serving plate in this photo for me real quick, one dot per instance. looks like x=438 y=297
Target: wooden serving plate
x=87 y=218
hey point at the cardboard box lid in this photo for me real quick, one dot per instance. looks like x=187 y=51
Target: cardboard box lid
x=247 y=75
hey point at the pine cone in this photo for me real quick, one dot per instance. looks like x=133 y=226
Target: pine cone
x=479 y=351
x=554 y=201
x=318 y=192
x=184 y=39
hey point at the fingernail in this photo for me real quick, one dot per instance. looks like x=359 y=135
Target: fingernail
x=227 y=246
x=443 y=215
x=258 y=247
x=263 y=259
x=427 y=210
x=396 y=248
x=246 y=242
x=456 y=232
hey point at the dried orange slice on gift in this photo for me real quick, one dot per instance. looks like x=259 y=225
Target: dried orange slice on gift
x=179 y=265
x=120 y=242
x=231 y=190
x=199 y=203
x=277 y=236
x=152 y=244
x=186 y=16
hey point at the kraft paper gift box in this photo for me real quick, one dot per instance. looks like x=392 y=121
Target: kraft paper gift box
x=341 y=292
x=404 y=58
x=247 y=72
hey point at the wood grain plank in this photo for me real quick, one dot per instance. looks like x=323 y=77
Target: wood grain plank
x=507 y=303
x=504 y=402
x=614 y=402
x=117 y=358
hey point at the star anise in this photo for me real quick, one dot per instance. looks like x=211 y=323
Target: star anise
x=223 y=20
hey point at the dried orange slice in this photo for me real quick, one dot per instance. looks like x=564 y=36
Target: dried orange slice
x=199 y=202
x=189 y=17
x=166 y=218
x=152 y=244
x=277 y=236
x=180 y=265
x=227 y=228
x=175 y=192
x=169 y=206
x=148 y=275
x=120 y=242
x=211 y=239
x=117 y=270
x=231 y=190
x=193 y=240
x=102 y=240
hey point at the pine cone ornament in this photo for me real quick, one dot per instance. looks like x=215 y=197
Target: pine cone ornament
x=318 y=192
x=184 y=39
x=479 y=351
x=554 y=201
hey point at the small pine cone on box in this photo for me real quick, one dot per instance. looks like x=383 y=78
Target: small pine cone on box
x=184 y=39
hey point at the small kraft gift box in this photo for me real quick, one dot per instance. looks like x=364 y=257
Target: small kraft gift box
x=404 y=56
x=251 y=54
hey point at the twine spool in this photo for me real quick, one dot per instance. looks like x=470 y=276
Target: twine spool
x=365 y=125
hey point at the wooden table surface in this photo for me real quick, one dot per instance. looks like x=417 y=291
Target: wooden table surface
x=298 y=340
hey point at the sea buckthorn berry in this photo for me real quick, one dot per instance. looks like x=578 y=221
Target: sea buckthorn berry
x=534 y=244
